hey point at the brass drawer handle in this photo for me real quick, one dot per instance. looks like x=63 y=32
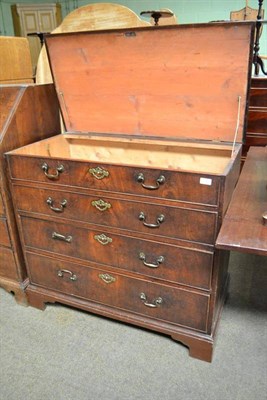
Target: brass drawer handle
x=99 y=173
x=156 y=303
x=107 y=278
x=58 y=236
x=59 y=169
x=61 y=273
x=103 y=239
x=159 y=261
x=101 y=205
x=159 y=181
x=264 y=218
x=160 y=219
x=60 y=209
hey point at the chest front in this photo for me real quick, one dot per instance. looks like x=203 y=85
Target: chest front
x=119 y=215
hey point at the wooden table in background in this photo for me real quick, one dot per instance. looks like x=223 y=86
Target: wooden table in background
x=243 y=229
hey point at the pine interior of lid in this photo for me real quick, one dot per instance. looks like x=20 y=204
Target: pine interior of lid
x=180 y=82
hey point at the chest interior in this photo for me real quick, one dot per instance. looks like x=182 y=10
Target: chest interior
x=169 y=97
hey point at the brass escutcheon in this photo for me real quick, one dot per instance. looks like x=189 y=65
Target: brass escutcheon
x=99 y=173
x=103 y=239
x=101 y=205
x=107 y=278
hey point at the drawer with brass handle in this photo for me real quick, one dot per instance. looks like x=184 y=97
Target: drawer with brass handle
x=136 y=216
x=143 y=297
x=167 y=184
x=187 y=266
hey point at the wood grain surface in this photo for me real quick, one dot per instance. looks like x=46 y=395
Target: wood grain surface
x=243 y=229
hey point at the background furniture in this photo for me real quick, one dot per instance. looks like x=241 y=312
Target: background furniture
x=15 y=61
x=244 y=228
x=90 y=17
x=164 y=16
x=32 y=18
x=256 y=133
x=19 y=128
x=246 y=14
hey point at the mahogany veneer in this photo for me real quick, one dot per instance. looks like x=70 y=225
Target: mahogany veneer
x=119 y=215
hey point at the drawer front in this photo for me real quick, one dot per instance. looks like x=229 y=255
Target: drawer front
x=180 y=223
x=153 y=259
x=258 y=97
x=162 y=302
x=183 y=186
x=2 y=211
x=7 y=264
x=257 y=121
x=4 y=236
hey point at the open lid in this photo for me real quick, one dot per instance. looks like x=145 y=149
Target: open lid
x=182 y=81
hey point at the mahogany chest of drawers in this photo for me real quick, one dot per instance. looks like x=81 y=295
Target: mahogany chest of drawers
x=19 y=128
x=119 y=215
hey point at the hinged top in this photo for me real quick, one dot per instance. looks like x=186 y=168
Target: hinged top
x=184 y=81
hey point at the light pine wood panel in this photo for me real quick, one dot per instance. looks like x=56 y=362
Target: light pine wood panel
x=137 y=82
x=15 y=60
x=90 y=17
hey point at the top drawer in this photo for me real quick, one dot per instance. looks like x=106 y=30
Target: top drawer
x=173 y=185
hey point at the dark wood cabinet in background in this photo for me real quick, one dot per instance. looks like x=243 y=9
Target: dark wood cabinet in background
x=256 y=134
x=22 y=122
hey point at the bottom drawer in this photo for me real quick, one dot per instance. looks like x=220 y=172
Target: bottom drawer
x=161 y=302
x=4 y=235
x=7 y=264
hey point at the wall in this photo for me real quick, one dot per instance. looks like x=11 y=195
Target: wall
x=187 y=11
